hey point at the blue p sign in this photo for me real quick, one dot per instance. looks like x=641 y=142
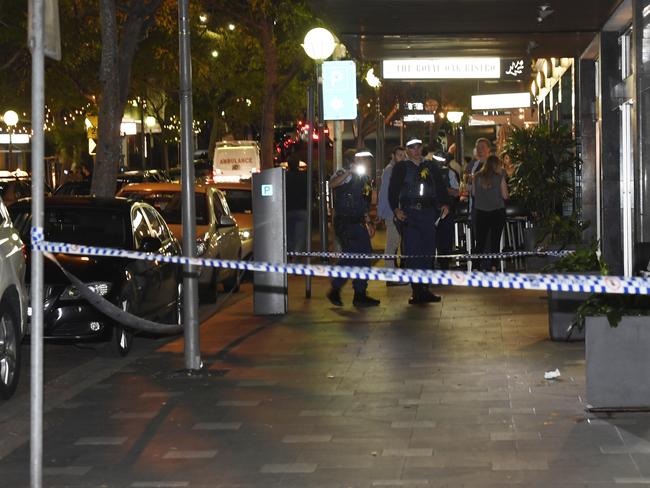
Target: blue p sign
x=267 y=190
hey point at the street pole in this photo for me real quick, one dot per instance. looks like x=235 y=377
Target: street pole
x=322 y=164
x=143 y=137
x=11 y=157
x=310 y=190
x=36 y=289
x=190 y=281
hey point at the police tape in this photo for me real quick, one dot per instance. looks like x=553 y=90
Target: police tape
x=571 y=283
x=467 y=257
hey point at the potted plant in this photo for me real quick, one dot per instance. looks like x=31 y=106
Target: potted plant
x=616 y=346
x=544 y=161
x=563 y=305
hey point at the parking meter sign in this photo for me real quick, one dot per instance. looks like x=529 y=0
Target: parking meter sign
x=339 y=90
x=267 y=190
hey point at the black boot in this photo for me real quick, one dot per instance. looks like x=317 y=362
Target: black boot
x=416 y=297
x=334 y=296
x=363 y=300
x=428 y=297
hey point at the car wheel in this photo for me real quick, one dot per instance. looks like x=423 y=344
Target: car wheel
x=208 y=293
x=232 y=283
x=9 y=350
x=121 y=337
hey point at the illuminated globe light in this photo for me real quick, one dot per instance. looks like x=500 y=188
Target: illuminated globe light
x=215 y=54
x=231 y=27
x=150 y=121
x=454 y=117
x=319 y=44
x=10 y=118
x=372 y=79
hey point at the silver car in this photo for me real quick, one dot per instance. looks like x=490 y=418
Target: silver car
x=13 y=303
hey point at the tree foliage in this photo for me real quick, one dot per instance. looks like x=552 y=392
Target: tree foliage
x=270 y=33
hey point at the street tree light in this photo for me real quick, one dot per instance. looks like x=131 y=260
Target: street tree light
x=319 y=44
x=11 y=119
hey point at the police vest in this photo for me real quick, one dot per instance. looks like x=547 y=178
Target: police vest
x=418 y=185
x=351 y=199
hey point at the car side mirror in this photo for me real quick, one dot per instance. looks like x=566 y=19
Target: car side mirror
x=150 y=244
x=226 y=221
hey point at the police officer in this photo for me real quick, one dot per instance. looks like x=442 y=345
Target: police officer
x=445 y=228
x=352 y=192
x=417 y=196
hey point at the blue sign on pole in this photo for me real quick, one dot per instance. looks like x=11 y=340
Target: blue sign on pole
x=339 y=90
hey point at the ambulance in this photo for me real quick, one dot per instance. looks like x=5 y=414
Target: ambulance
x=235 y=161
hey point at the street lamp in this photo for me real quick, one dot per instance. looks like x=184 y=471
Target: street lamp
x=11 y=119
x=319 y=44
x=375 y=83
x=454 y=117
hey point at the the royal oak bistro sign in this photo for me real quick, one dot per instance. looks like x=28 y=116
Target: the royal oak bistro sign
x=456 y=68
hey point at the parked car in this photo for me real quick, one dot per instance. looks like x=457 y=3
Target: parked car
x=240 y=204
x=217 y=232
x=82 y=187
x=148 y=289
x=12 y=189
x=13 y=303
x=73 y=189
x=202 y=172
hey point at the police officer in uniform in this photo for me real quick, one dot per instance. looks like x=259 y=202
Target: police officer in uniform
x=418 y=196
x=352 y=191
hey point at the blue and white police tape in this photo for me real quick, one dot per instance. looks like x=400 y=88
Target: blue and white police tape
x=572 y=283
x=468 y=257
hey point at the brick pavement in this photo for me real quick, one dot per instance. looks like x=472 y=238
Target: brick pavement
x=443 y=395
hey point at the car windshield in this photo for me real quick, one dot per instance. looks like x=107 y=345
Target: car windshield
x=80 y=225
x=169 y=204
x=239 y=201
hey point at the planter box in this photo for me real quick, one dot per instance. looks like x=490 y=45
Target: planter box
x=562 y=307
x=618 y=364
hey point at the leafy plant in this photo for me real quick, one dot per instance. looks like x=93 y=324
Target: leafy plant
x=544 y=161
x=583 y=259
x=561 y=230
x=614 y=307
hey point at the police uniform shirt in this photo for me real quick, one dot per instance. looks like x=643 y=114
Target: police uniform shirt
x=352 y=197
x=435 y=179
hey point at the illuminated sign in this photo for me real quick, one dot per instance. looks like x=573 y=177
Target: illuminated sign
x=442 y=68
x=501 y=101
x=420 y=118
x=339 y=90
x=414 y=106
x=14 y=138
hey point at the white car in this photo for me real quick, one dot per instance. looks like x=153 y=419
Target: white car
x=13 y=303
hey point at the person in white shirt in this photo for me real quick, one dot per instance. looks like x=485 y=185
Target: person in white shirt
x=385 y=213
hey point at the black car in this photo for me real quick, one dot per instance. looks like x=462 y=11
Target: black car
x=147 y=289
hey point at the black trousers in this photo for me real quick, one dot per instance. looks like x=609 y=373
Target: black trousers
x=489 y=226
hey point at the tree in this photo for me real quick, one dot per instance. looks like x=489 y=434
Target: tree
x=278 y=27
x=121 y=33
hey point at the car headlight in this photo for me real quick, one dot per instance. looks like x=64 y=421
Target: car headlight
x=200 y=247
x=72 y=293
x=245 y=234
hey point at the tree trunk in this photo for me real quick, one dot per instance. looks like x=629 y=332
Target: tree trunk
x=270 y=93
x=115 y=74
x=110 y=114
x=214 y=134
